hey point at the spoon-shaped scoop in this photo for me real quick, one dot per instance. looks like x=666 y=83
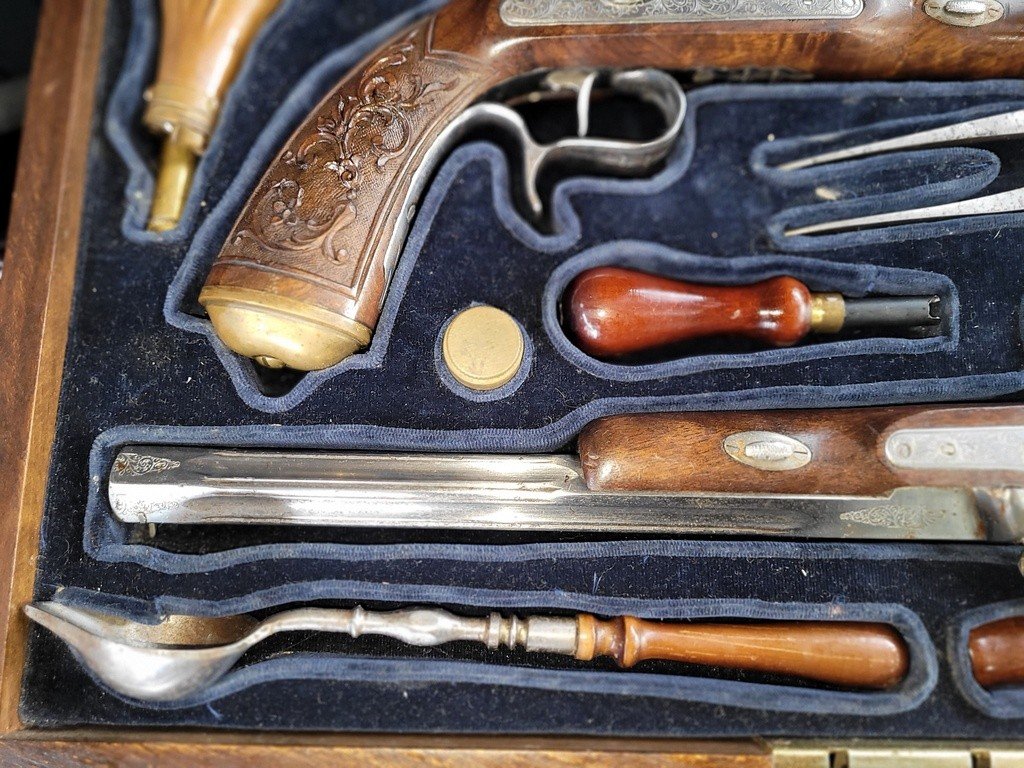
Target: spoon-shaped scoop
x=185 y=654
x=152 y=662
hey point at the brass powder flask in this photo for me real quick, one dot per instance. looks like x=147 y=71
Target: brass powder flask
x=202 y=43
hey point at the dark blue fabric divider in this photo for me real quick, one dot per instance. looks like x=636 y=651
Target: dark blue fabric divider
x=820 y=275
x=920 y=680
x=866 y=186
x=1004 y=702
x=107 y=539
x=141 y=367
x=651 y=578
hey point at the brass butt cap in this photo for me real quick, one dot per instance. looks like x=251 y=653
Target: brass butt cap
x=828 y=312
x=278 y=332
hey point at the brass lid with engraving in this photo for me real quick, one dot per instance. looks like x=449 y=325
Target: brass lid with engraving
x=483 y=348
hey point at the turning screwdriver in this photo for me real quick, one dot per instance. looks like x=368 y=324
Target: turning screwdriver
x=613 y=312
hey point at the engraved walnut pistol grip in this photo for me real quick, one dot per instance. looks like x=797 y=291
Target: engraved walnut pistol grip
x=302 y=279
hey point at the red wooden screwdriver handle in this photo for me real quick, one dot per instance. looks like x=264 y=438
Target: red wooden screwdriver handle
x=613 y=311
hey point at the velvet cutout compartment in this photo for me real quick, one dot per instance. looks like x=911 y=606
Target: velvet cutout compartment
x=141 y=366
x=467 y=663
x=1005 y=701
x=488 y=253
x=682 y=580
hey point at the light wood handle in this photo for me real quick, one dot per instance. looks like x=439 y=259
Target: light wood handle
x=847 y=654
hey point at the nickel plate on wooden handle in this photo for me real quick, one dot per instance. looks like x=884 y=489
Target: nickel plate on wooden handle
x=164 y=484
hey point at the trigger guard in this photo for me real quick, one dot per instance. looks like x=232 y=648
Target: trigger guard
x=621 y=156
x=614 y=156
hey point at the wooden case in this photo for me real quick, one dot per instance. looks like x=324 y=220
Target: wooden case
x=35 y=306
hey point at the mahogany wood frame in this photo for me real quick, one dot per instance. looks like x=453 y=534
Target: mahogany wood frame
x=35 y=306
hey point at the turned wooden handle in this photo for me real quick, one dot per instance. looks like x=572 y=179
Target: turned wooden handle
x=613 y=311
x=848 y=654
x=997 y=652
x=846 y=450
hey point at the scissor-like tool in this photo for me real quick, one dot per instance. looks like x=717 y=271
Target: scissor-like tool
x=1005 y=125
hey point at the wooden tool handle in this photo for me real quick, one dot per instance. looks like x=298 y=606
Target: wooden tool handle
x=848 y=654
x=613 y=312
x=997 y=652
x=867 y=451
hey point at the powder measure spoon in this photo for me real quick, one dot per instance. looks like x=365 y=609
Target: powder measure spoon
x=183 y=655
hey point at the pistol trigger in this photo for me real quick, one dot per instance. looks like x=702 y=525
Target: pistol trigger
x=578 y=81
x=583 y=104
x=534 y=156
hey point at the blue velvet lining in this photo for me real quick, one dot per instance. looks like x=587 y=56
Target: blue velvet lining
x=819 y=275
x=1004 y=702
x=651 y=578
x=141 y=367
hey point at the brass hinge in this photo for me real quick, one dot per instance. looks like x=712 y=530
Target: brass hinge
x=790 y=755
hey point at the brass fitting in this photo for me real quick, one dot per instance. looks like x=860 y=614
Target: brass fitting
x=173 y=180
x=828 y=312
x=279 y=332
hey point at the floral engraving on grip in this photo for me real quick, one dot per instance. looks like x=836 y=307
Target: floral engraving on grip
x=319 y=201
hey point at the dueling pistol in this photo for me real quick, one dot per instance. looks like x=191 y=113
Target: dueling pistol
x=304 y=273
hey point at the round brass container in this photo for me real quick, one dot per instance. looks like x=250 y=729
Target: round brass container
x=483 y=347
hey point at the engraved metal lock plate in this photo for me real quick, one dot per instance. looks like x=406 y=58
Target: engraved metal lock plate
x=767 y=450
x=957 y=448
x=551 y=12
x=964 y=13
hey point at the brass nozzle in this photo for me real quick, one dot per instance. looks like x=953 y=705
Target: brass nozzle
x=828 y=312
x=173 y=181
